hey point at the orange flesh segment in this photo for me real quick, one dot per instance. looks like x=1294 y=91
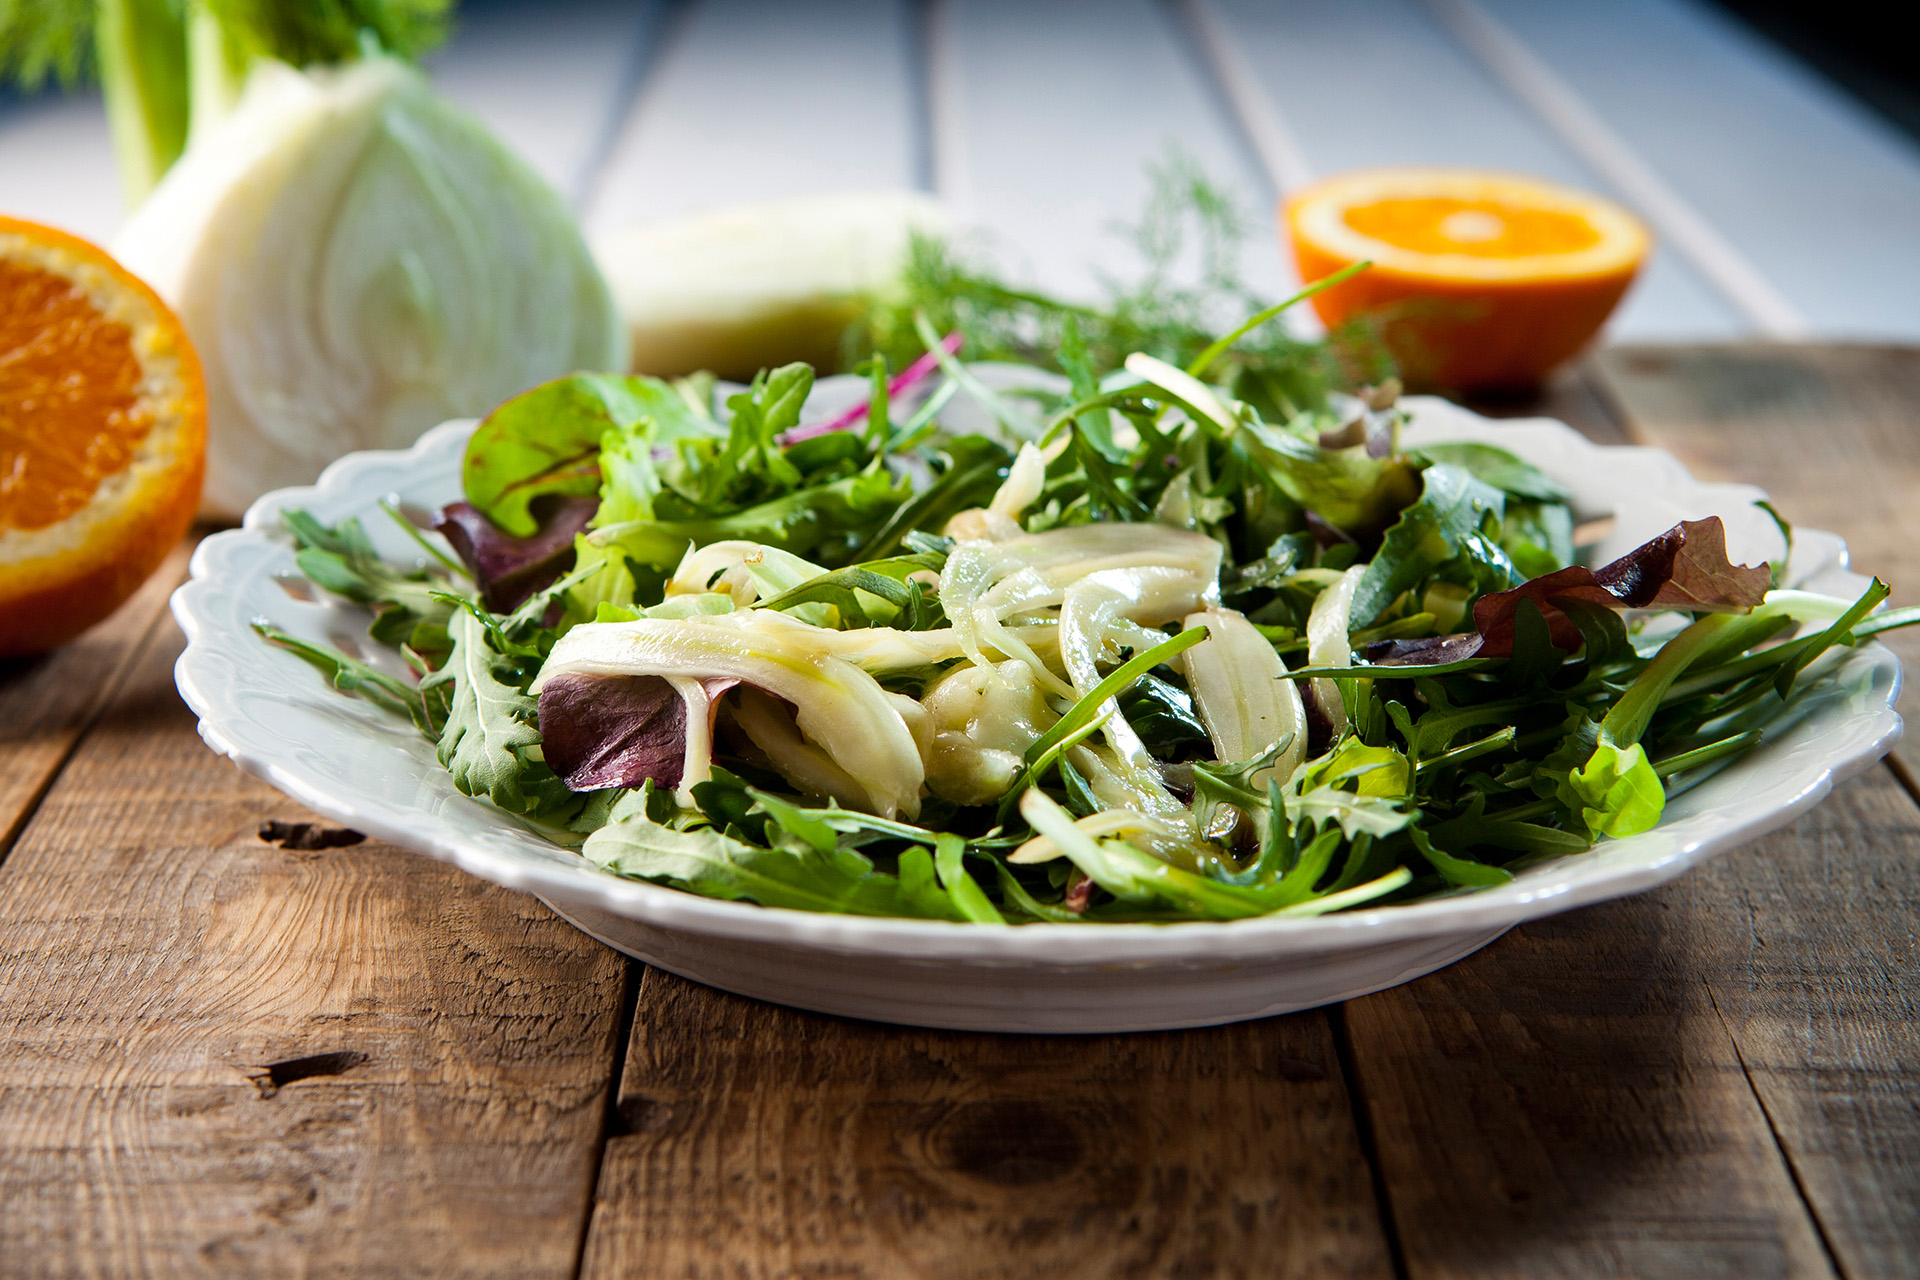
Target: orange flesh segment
x=1480 y=228
x=69 y=384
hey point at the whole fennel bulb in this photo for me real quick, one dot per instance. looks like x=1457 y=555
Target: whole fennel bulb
x=356 y=260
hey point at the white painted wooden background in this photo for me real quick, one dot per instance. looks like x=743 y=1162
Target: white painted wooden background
x=1783 y=207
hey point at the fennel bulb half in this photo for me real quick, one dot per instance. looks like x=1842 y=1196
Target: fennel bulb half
x=748 y=287
x=356 y=260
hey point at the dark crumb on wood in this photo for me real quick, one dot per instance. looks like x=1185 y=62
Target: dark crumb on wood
x=307 y=835
x=275 y=1076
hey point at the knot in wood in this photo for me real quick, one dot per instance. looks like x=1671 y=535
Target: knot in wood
x=1013 y=1143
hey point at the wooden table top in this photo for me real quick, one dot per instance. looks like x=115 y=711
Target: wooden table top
x=223 y=1056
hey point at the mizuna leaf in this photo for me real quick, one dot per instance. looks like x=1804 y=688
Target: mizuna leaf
x=490 y=733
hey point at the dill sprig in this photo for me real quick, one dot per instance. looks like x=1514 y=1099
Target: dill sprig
x=1190 y=235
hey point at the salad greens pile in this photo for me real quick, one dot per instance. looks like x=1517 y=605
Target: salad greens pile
x=1139 y=649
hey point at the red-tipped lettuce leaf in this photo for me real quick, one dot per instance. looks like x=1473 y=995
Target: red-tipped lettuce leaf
x=508 y=569
x=1684 y=568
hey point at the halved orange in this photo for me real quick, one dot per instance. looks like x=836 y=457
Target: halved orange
x=1480 y=281
x=103 y=435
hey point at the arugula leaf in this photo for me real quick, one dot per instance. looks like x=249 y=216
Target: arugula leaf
x=1348 y=489
x=1138 y=878
x=1453 y=507
x=1497 y=467
x=949 y=865
x=970 y=469
x=816 y=522
x=1162 y=714
x=803 y=879
x=1538 y=536
x=350 y=675
x=1459 y=872
x=1084 y=711
x=873 y=593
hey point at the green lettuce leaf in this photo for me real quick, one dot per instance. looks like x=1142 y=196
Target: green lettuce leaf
x=1616 y=793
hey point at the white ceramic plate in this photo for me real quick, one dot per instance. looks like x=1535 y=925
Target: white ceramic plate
x=275 y=717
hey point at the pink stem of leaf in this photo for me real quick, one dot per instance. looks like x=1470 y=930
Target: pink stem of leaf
x=914 y=374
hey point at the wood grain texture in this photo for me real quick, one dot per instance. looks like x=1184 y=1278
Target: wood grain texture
x=1832 y=432
x=1814 y=965
x=1567 y=1103
x=218 y=1056
x=47 y=702
x=762 y=1141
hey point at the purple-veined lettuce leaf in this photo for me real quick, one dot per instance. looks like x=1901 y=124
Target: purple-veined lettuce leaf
x=618 y=731
x=1684 y=568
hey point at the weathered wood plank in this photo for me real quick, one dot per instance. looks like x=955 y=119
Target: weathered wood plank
x=551 y=80
x=761 y=1141
x=221 y=1056
x=47 y=702
x=1815 y=971
x=1047 y=119
x=1797 y=175
x=1814 y=965
x=1444 y=110
x=1828 y=430
x=1567 y=1103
